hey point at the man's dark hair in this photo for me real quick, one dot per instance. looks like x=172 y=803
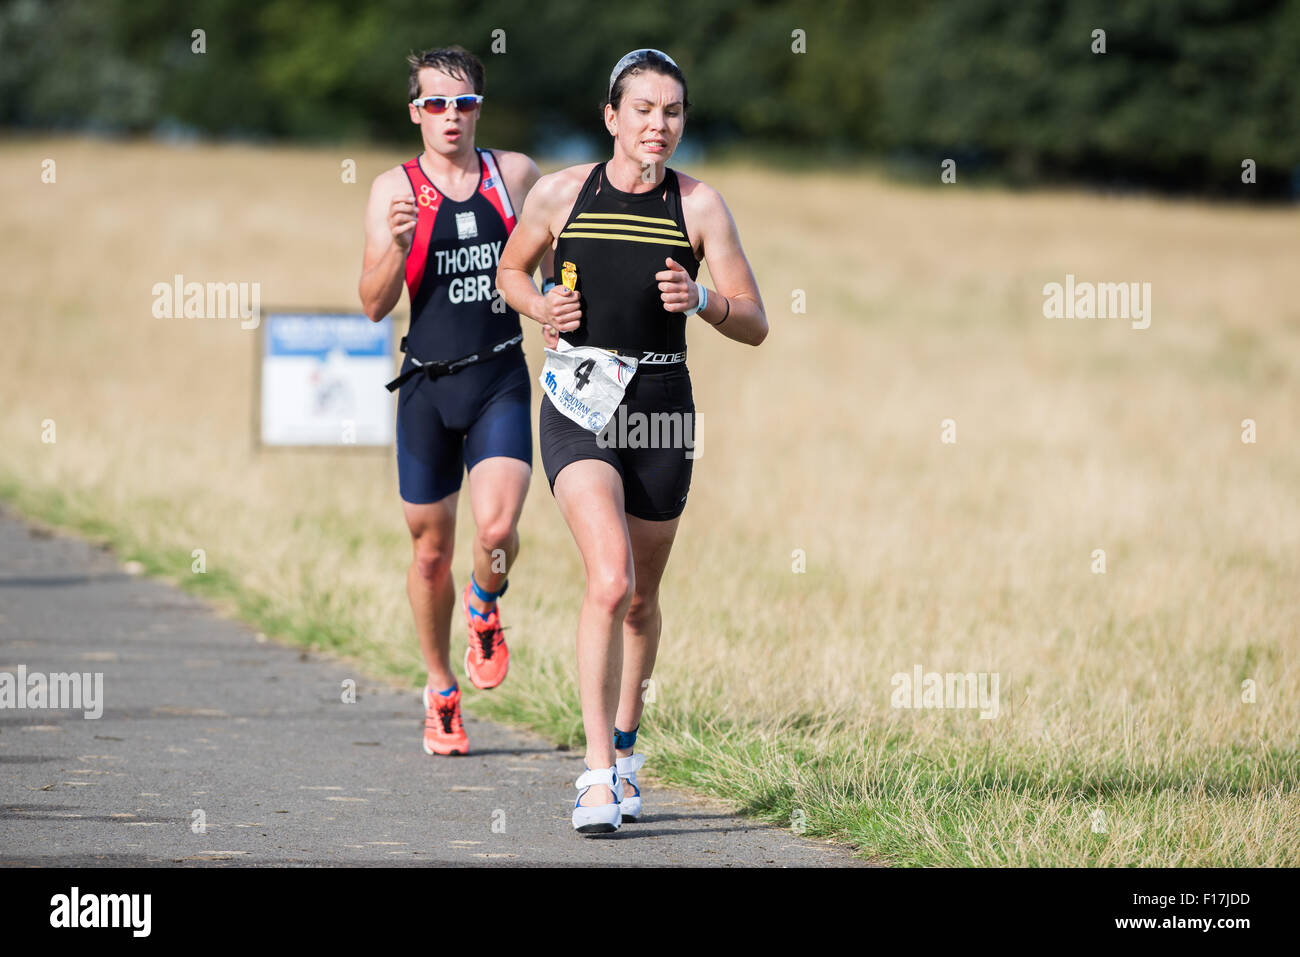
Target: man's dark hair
x=651 y=62
x=455 y=61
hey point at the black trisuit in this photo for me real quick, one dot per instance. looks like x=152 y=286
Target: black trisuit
x=618 y=241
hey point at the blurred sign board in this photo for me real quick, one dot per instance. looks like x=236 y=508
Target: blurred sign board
x=321 y=380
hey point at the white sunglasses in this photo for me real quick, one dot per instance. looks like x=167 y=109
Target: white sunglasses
x=439 y=104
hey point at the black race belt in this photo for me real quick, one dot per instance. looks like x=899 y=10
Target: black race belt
x=442 y=367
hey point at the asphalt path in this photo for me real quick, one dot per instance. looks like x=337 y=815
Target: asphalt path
x=217 y=747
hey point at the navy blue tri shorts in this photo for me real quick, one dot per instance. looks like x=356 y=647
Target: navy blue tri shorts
x=447 y=425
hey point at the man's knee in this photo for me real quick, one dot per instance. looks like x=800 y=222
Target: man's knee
x=432 y=560
x=497 y=534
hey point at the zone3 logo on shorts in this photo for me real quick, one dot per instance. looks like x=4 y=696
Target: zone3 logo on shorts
x=662 y=358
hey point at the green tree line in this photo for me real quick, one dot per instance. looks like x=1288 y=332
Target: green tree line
x=1183 y=93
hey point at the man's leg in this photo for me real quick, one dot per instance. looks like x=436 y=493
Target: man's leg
x=499 y=455
x=497 y=487
x=429 y=583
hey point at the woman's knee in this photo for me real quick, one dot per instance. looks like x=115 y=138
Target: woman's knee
x=610 y=590
x=642 y=610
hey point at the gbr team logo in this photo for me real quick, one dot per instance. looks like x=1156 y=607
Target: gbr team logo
x=427 y=195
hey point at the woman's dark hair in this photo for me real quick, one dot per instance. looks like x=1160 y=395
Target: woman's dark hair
x=652 y=62
x=455 y=61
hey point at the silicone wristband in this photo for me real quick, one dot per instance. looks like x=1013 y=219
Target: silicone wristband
x=704 y=300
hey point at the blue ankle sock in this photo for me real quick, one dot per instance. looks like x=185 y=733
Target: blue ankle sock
x=488 y=598
x=447 y=693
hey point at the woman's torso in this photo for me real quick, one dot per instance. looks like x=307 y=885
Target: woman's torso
x=618 y=241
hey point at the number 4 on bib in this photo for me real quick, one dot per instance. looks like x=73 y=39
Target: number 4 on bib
x=586 y=383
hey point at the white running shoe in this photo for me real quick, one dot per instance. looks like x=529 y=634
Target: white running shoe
x=630 y=806
x=598 y=818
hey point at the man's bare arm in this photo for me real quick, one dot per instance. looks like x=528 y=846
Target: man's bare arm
x=390 y=227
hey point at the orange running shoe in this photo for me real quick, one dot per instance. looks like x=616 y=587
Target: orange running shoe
x=487 y=659
x=444 y=731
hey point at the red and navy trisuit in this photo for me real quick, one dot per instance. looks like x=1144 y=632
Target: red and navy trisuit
x=448 y=424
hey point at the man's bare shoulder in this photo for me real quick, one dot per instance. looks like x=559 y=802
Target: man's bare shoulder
x=391 y=182
x=518 y=170
x=512 y=162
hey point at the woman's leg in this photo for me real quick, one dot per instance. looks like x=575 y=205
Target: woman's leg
x=590 y=495
x=651 y=544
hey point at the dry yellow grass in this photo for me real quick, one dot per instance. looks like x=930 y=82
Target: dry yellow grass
x=922 y=305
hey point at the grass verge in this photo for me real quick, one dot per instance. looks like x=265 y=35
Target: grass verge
x=888 y=792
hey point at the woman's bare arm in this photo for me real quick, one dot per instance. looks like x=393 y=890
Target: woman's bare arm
x=736 y=308
x=559 y=310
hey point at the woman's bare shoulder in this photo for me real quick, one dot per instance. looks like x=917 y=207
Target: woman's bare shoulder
x=699 y=198
x=555 y=193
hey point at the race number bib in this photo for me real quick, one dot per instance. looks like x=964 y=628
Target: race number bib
x=586 y=383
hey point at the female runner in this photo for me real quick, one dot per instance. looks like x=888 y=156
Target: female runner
x=629 y=236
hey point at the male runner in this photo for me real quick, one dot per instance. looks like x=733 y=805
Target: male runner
x=439 y=223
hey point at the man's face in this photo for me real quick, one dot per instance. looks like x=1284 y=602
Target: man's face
x=450 y=131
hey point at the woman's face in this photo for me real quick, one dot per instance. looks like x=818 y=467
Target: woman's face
x=649 y=120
